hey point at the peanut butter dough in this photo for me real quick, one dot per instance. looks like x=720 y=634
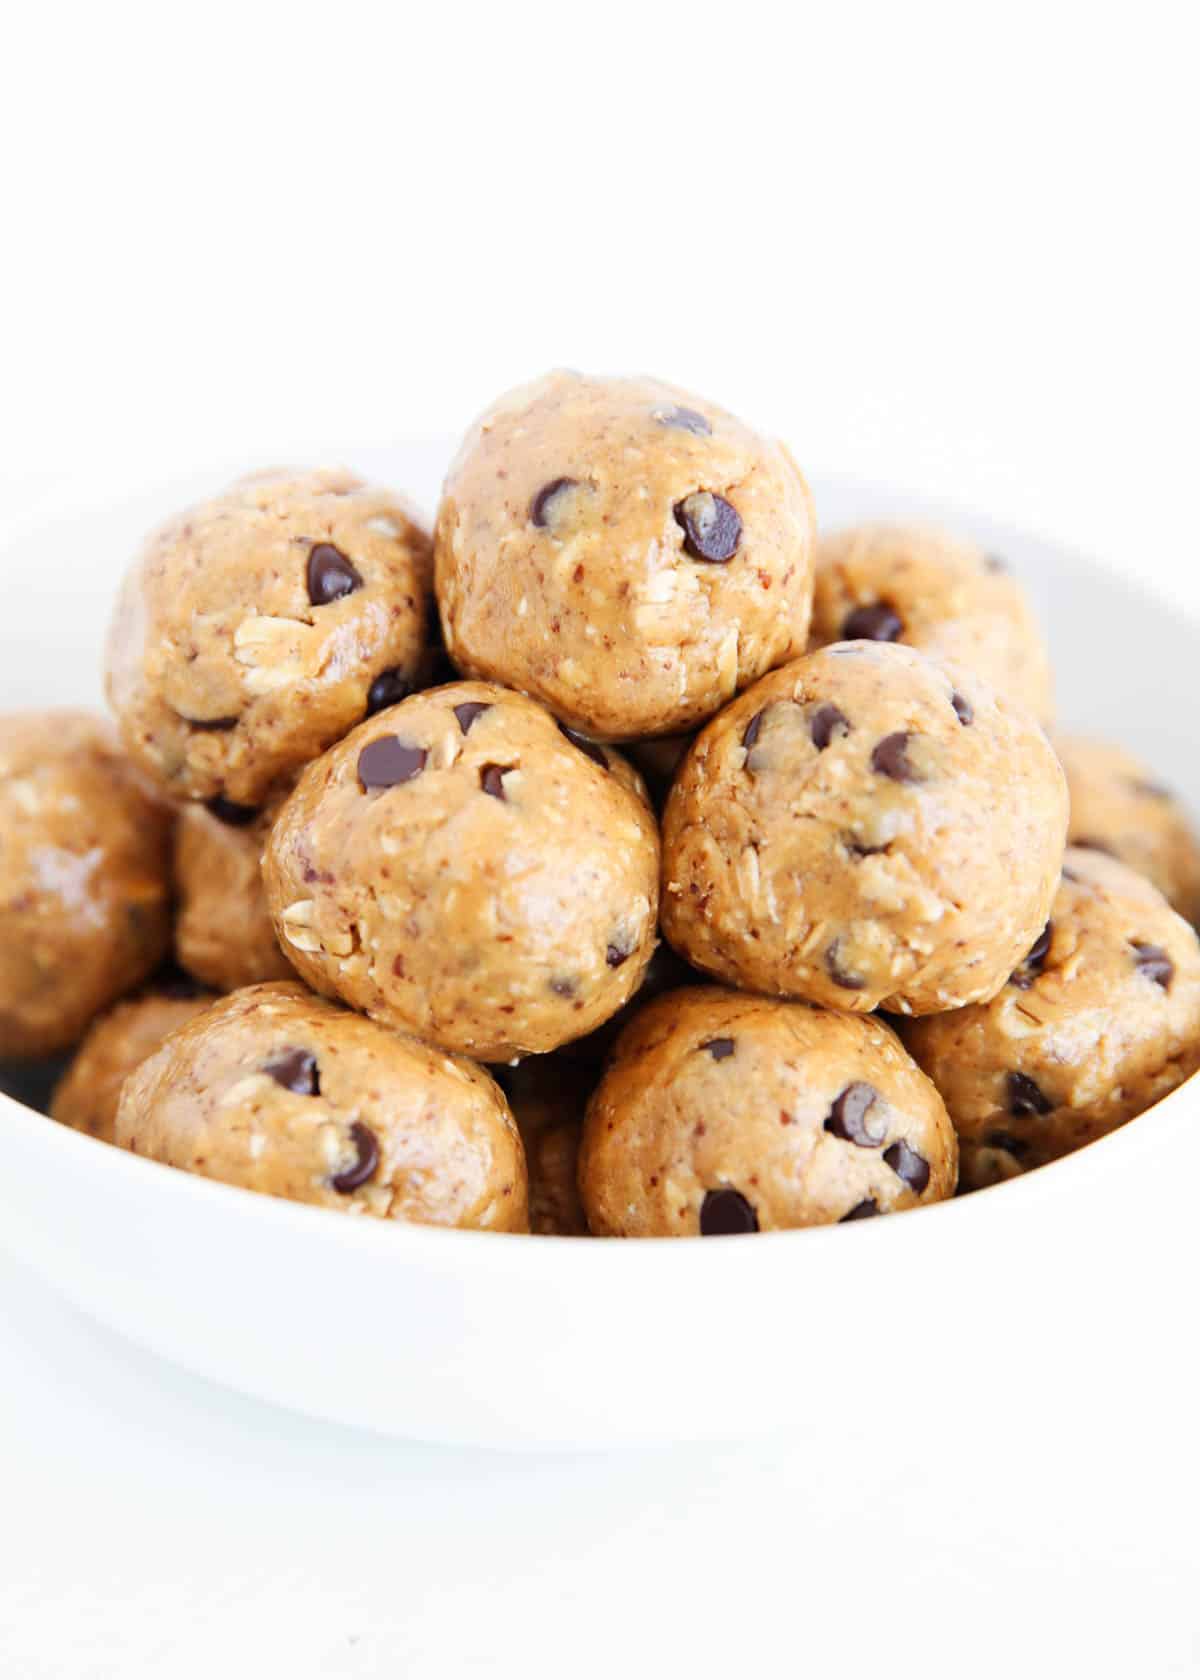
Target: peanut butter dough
x=464 y=868
x=865 y=828
x=631 y=555
x=1099 y=1022
x=88 y=1096
x=1120 y=807
x=941 y=594
x=223 y=932
x=276 y=1091
x=257 y=628
x=84 y=878
x=723 y=1114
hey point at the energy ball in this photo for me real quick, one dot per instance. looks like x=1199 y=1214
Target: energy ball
x=1100 y=1020
x=865 y=829
x=88 y=1096
x=628 y=554
x=942 y=594
x=223 y=931
x=256 y=629
x=85 y=896
x=1120 y=807
x=464 y=868
x=723 y=1114
x=276 y=1091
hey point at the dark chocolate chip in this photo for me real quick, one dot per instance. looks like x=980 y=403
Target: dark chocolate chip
x=1015 y=1146
x=540 y=510
x=212 y=726
x=564 y=987
x=331 y=575
x=296 y=1071
x=718 y=1048
x=1071 y=875
x=387 y=761
x=858 y=1116
x=1035 y=962
x=752 y=730
x=891 y=759
x=491 y=779
x=1025 y=1096
x=727 y=1213
x=1154 y=963
x=234 y=816
x=875 y=623
x=826 y=722
x=907 y=1165
x=861 y=1210
x=616 y=955
x=366 y=1163
x=684 y=420
x=594 y=752
x=711 y=526
x=840 y=976
x=469 y=711
x=963 y=709
x=388 y=689
x=995 y=563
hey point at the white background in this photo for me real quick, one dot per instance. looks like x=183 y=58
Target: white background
x=946 y=247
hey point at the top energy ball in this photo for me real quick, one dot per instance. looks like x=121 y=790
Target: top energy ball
x=628 y=554
x=256 y=629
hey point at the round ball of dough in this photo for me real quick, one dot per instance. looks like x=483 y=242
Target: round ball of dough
x=84 y=879
x=276 y=1091
x=87 y=1097
x=864 y=829
x=463 y=868
x=223 y=930
x=1100 y=1021
x=257 y=628
x=1120 y=807
x=944 y=595
x=722 y=1113
x=631 y=555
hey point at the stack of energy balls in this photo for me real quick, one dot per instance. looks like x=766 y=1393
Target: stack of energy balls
x=384 y=859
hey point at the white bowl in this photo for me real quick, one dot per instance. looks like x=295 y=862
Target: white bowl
x=1060 y=1301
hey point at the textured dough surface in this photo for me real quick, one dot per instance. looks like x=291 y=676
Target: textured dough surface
x=809 y=1116
x=84 y=878
x=590 y=599
x=225 y=673
x=864 y=828
x=223 y=930
x=1119 y=806
x=501 y=900
x=942 y=594
x=274 y=1090
x=1097 y=1026
x=89 y=1094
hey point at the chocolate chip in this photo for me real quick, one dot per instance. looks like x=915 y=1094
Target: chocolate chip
x=331 y=575
x=727 y=1213
x=388 y=689
x=234 y=816
x=840 y=976
x=718 y=1048
x=1035 y=962
x=1154 y=963
x=491 y=779
x=857 y=1116
x=594 y=752
x=875 y=623
x=212 y=726
x=995 y=563
x=387 y=761
x=1071 y=875
x=827 y=721
x=891 y=759
x=963 y=709
x=296 y=1071
x=861 y=1210
x=366 y=1164
x=1015 y=1146
x=751 y=732
x=540 y=510
x=684 y=420
x=711 y=526
x=616 y=955
x=1025 y=1096
x=469 y=711
x=907 y=1165
x=564 y=987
